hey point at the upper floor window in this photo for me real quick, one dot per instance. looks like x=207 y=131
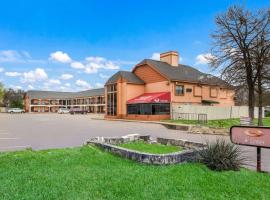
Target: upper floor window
x=179 y=90
x=112 y=88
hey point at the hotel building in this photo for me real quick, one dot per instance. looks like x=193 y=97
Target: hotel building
x=153 y=87
x=50 y=101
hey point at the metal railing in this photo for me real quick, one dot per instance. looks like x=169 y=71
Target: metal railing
x=200 y=117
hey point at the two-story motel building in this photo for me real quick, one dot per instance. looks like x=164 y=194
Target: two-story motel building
x=50 y=101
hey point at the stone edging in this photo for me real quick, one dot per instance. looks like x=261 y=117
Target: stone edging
x=187 y=155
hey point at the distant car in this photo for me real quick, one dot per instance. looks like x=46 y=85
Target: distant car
x=16 y=110
x=63 y=111
x=77 y=111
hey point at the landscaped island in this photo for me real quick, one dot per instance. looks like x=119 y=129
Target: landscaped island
x=90 y=173
x=150 y=148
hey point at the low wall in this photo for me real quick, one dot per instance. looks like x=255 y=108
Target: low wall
x=156 y=159
x=178 y=142
x=213 y=112
x=189 y=154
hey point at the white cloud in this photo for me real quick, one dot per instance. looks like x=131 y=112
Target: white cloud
x=18 y=87
x=67 y=84
x=155 y=56
x=38 y=74
x=30 y=87
x=77 y=65
x=96 y=59
x=91 y=68
x=2 y=69
x=202 y=59
x=15 y=87
x=26 y=54
x=54 y=82
x=95 y=63
x=83 y=84
x=9 y=56
x=104 y=76
x=60 y=57
x=92 y=64
x=12 y=74
x=99 y=85
x=110 y=65
x=18 y=57
x=66 y=76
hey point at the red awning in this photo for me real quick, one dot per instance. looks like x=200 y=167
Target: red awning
x=157 y=97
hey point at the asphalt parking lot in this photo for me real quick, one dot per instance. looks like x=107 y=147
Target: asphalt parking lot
x=45 y=131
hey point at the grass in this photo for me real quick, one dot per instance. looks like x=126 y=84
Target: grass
x=151 y=148
x=89 y=173
x=222 y=123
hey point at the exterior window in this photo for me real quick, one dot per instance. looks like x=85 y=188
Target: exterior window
x=149 y=109
x=189 y=90
x=179 y=90
x=112 y=100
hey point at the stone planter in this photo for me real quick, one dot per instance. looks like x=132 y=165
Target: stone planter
x=189 y=153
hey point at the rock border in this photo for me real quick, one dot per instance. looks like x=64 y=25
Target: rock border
x=188 y=155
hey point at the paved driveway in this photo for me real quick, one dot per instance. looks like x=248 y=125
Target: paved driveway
x=43 y=131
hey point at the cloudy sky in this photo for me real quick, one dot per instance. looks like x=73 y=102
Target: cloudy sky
x=77 y=44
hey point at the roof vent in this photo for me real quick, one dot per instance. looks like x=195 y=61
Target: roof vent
x=170 y=57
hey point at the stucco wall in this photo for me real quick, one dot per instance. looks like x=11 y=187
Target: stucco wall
x=163 y=86
x=213 y=112
x=199 y=93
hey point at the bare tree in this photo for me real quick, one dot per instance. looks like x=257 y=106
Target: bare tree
x=261 y=58
x=232 y=51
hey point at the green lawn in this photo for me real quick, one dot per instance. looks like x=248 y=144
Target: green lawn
x=90 y=173
x=222 y=123
x=151 y=148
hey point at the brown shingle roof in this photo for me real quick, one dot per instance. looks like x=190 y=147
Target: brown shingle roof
x=129 y=76
x=39 y=94
x=184 y=73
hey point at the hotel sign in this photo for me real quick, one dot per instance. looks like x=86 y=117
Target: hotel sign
x=251 y=136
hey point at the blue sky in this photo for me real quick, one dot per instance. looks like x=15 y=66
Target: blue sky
x=77 y=44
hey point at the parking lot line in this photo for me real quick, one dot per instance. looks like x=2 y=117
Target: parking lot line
x=8 y=138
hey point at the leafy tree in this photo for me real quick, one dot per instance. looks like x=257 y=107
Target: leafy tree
x=1 y=93
x=13 y=98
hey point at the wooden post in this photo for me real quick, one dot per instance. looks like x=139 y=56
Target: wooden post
x=258 y=159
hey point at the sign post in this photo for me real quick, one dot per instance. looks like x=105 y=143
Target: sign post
x=258 y=159
x=251 y=136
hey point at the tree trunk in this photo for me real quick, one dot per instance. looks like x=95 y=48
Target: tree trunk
x=251 y=101
x=260 y=101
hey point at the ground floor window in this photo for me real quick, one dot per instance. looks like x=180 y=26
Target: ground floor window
x=149 y=109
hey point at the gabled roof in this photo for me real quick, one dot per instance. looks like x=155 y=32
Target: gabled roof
x=183 y=73
x=39 y=94
x=129 y=76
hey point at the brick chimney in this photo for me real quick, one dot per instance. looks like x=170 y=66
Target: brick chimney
x=170 y=57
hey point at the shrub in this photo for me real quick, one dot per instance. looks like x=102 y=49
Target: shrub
x=222 y=155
